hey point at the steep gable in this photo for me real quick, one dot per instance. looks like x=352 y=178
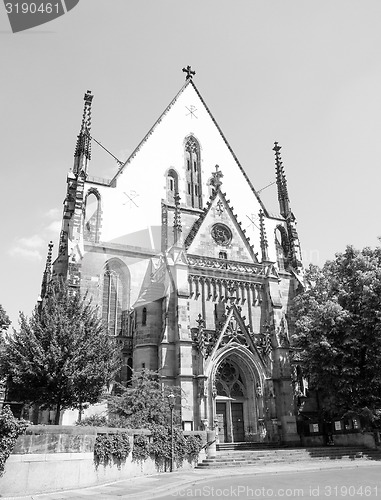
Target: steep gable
x=217 y=233
x=192 y=112
x=132 y=202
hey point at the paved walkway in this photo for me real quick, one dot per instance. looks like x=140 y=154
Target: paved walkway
x=164 y=484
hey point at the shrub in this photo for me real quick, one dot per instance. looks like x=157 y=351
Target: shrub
x=94 y=421
x=193 y=446
x=10 y=430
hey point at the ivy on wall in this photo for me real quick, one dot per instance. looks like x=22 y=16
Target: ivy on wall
x=111 y=448
x=114 y=448
x=159 y=445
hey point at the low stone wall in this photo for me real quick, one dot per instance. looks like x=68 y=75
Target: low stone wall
x=356 y=439
x=313 y=440
x=53 y=458
x=346 y=439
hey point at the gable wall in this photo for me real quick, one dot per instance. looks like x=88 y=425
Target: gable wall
x=204 y=245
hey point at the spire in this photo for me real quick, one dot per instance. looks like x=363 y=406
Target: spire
x=177 y=229
x=83 y=147
x=284 y=201
x=295 y=257
x=47 y=273
x=264 y=243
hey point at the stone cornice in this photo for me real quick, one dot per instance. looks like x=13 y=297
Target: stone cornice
x=237 y=268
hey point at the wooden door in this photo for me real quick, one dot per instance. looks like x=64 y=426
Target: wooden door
x=221 y=418
x=237 y=423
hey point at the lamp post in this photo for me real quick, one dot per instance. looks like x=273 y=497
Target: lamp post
x=171 y=403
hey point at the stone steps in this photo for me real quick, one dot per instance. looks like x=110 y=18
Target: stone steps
x=239 y=458
x=253 y=446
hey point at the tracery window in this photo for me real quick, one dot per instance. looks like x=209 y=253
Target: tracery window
x=115 y=297
x=229 y=380
x=193 y=173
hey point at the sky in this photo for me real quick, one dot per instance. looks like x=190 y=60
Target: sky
x=306 y=74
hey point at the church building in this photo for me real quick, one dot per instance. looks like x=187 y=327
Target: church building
x=192 y=274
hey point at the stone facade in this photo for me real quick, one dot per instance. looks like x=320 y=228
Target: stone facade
x=192 y=274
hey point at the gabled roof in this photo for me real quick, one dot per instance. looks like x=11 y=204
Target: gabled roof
x=226 y=203
x=152 y=129
x=235 y=332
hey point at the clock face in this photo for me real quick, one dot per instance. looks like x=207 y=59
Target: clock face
x=221 y=234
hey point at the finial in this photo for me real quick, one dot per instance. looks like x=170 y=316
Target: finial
x=83 y=146
x=200 y=335
x=189 y=72
x=284 y=201
x=263 y=237
x=200 y=321
x=232 y=293
x=216 y=178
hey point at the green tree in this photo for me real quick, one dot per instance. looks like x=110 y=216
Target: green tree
x=338 y=331
x=4 y=320
x=145 y=403
x=62 y=356
x=4 y=324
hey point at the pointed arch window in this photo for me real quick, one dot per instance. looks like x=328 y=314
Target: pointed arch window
x=115 y=297
x=92 y=216
x=144 y=316
x=282 y=246
x=193 y=173
x=172 y=185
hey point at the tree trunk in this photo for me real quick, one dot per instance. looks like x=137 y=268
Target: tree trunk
x=58 y=414
x=35 y=412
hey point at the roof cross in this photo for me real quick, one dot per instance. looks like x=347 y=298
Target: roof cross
x=189 y=72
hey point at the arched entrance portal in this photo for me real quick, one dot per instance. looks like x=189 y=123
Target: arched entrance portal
x=236 y=403
x=230 y=400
